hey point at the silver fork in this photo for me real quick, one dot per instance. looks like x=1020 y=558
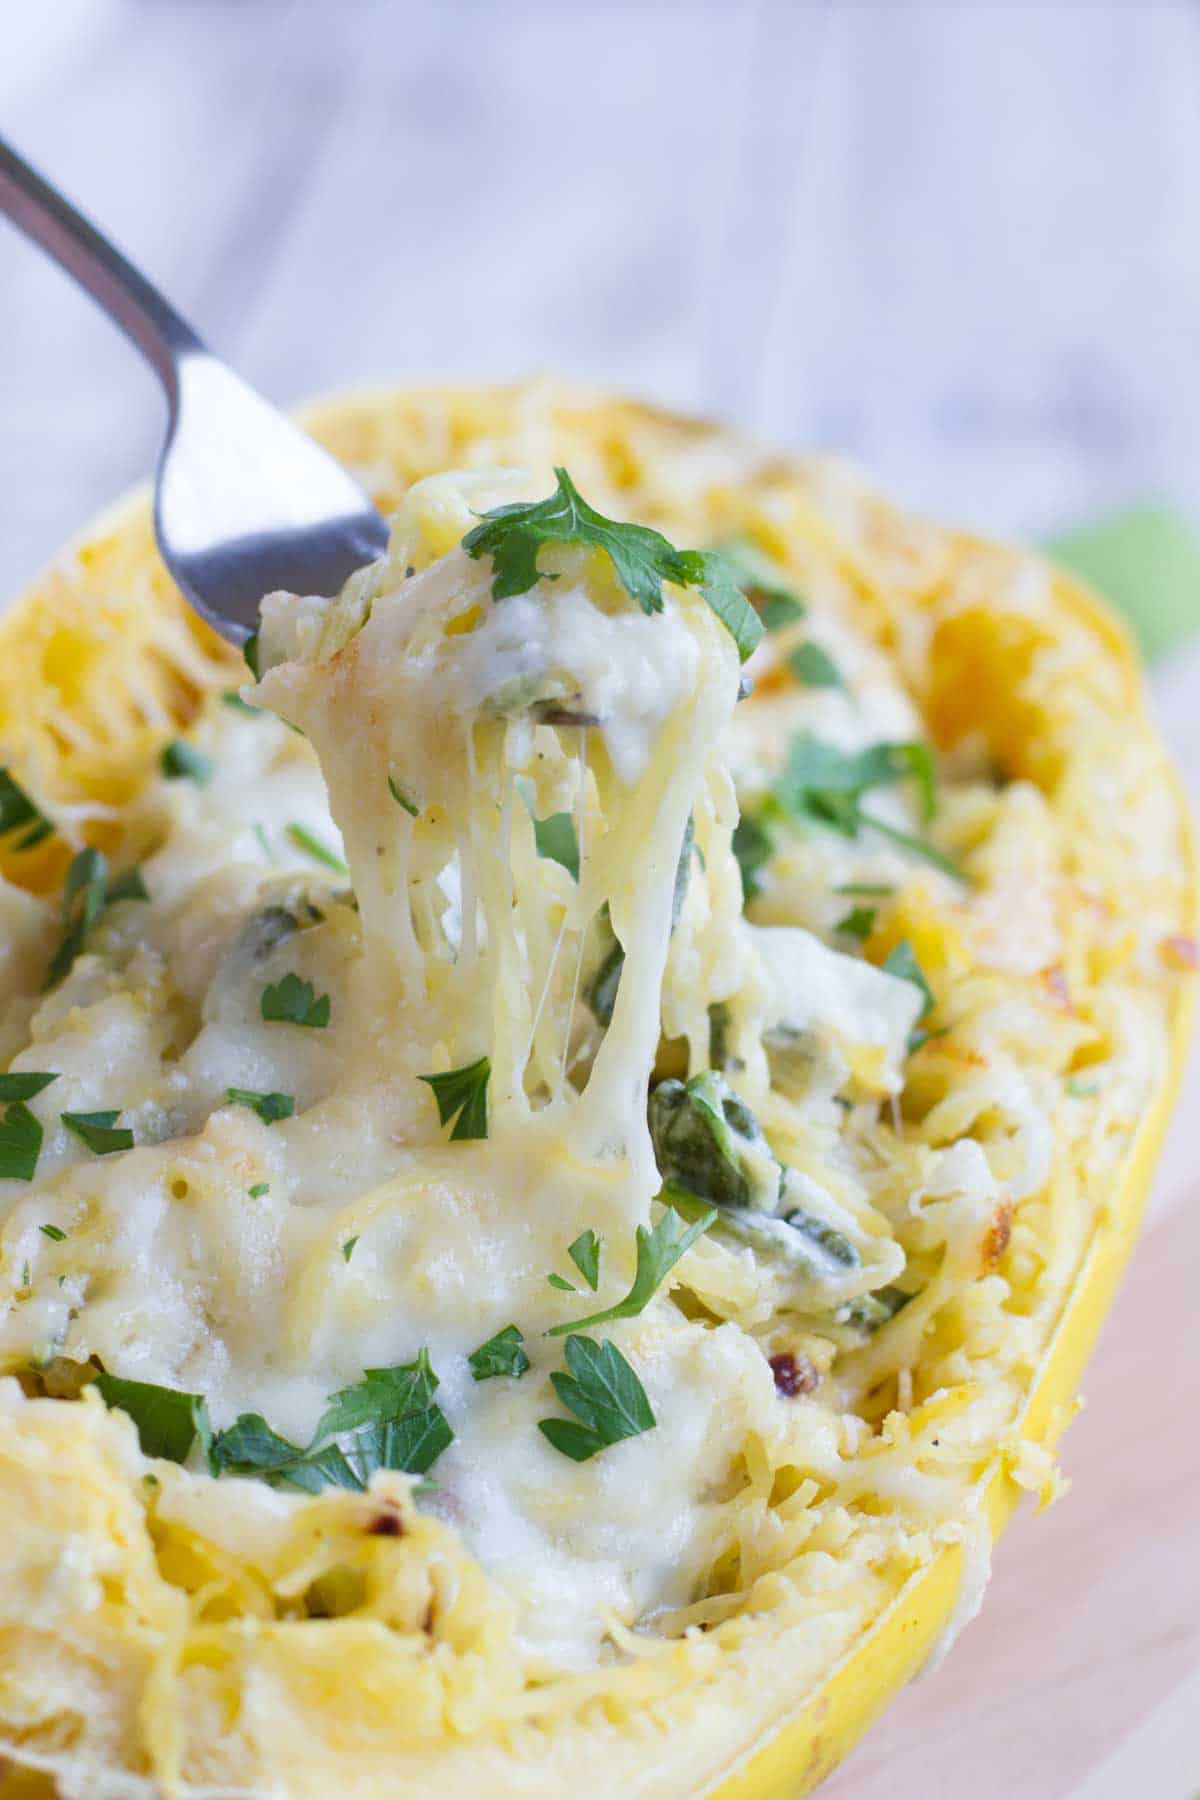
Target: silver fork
x=244 y=501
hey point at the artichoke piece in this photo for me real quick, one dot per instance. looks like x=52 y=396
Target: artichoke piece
x=827 y=1246
x=707 y=1141
x=708 y=1144
x=870 y=1311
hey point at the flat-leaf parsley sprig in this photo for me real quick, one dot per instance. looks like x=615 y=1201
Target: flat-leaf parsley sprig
x=461 y=1095
x=657 y=1253
x=641 y=557
x=604 y=1393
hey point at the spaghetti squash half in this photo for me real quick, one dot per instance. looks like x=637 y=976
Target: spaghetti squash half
x=564 y=1139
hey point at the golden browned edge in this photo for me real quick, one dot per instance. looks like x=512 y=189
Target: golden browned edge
x=804 y=1745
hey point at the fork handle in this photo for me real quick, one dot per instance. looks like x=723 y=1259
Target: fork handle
x=42 y=213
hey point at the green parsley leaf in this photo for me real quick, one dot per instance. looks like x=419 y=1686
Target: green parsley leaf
x=20 y=814
x=312 y=846
x=461 y=1095
x=269 y=1107
x=128 y=886
x=643 y=559
x=777 y=606
x=902 y=963
x=604 y=1393
x=556 y=841
x=232 y=698
x=23 y=1085
x=87 y=893
x=715 y=577
x=385 y=1421
x=513 y=535
x=585 y=1254
x=20 y=1143
x=821 y=782
x=99 y=1131
x=561 y=1283
x=814 y=667
x=250 y=652
x=858 y=923
x=181 y=760
x=657 y=1253
x=250 y=1447
x=293 y=1002
x=401 y=798
x=348 y=1248
x=501 y=1355
x=54 y=1232
x=167 y=1419
x=259 y=1189
x=754 y=847
x=381 y=1394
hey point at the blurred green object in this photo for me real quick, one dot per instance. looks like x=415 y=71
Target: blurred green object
x=1146 y=560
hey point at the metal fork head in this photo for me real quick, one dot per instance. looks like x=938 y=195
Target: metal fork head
x=247 y=503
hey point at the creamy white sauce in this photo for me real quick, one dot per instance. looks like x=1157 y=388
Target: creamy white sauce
x=462 y=942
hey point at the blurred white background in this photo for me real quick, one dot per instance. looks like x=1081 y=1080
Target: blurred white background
x=959 y=241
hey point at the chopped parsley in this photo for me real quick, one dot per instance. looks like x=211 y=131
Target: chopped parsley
x=259 y=1189
x=167 y=1419
x=388 y=1420
x=54 y=1232
x=87 y=893
x=20 y=1143
x=557 y=841
x=585 y=1254
x=24 y=1084
x=401 y=798
x=293 y=1002
x=709 y=571
x=820 y=782
x=99 y=1131
x=232 y=698
x=657 y=1253
x=21 y=815
x=562 y=1284
x=461 y=1095
x=348 y=1248
x=814 y=667
x=312 y=846
x=641 y=558
x=182 y=761
x=269 y=1107
x=858 y=923
x=250 y=652
x=501 y=1355
x=777 y=606
x=604 y=1393
x=868 y=890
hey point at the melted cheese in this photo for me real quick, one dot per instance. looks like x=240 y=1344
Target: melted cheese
x=268 y=1266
